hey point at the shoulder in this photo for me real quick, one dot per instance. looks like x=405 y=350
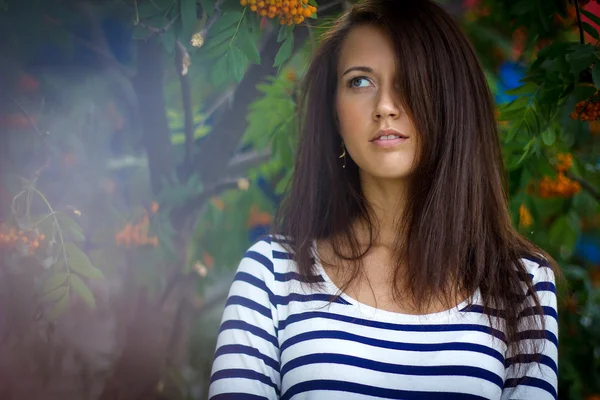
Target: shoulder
x=539 y=269
x=543 y=283
x=268 y=257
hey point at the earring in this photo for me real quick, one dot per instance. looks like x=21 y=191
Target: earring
x=343 y=156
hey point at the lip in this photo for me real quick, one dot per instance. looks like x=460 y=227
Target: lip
x=388 y=142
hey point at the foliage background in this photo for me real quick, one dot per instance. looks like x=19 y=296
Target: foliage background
x=139 y=136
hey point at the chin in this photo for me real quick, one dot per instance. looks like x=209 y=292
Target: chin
x=389 y=173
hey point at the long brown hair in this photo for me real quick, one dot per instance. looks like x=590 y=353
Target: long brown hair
x=456 y=229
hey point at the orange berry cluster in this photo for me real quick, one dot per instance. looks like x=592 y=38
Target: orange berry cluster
x=10 y=237
x=137 y=234
x=291 y=75
x=595 y=128
x=565 y=161
x=590 y=113
x=559 y=187
x=525 y=218
x=289 y=11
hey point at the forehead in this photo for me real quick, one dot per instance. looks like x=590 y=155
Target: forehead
x=367 y=45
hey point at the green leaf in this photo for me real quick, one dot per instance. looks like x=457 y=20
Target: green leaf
x=532 y=121
x=590 y=30
x=168 y=40
x=83 y=291
x=53 y=282
x=55 y=295
x=581 y=58
x=510 y=135
x=596 y=73
x=284 y=33
x=285 y=52
x=218 y=51
x=80 y=263
x=510 y=115
x=516 y=104
x=527 y=88
x=70 y=227
x=208 y=6
x=59 y=307
x=593 y=17
x=220 y=70
x=563 y=235
x=188 y=17
x=237 y=63
x=247 y=45
x=548 y=137
x=220 y=38
x=227 y=20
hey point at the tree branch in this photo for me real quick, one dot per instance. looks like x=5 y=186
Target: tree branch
x=241 y=163
x=579 y=23
x=42 y=135
x=182 y=62
x=584 y=184
x=148 y=85
x=99 y=45
x=158 y=31
x=218 y=147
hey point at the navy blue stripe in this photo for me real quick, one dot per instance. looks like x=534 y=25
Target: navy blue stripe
x=532 y=358
x=390 y=326
x=285 y=300
x=548 y=311
x=386 y=344
x=261 y=258
x=236 y=324
x=541 y=262
x=282 y=255
x=533 y=382
x=244 y=302
x=242 y=373
x=438 y=370
x=351 y=387
x=266 y=238
x=281 y=240
x=545 y=286
x=529 y=276
x=254 y=281
x=537 y=334
x=289 y=276
x=237 y=396
x=477 y=308
x=249 y=351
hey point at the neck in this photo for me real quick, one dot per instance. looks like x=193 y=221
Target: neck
x=387 y=199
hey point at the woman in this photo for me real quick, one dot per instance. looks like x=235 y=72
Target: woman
x=396 y=272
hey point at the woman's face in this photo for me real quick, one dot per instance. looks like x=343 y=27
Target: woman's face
x=377 y=132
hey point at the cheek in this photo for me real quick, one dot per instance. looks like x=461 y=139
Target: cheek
x=352 y=118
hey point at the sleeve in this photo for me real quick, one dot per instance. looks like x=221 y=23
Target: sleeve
x=246 y=360
x=527 y=378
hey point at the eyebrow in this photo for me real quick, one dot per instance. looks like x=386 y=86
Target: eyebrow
x=360 y=68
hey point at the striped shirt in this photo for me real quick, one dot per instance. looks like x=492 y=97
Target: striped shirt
x=279 y=340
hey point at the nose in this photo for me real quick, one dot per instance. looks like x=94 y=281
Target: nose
x=386 y=106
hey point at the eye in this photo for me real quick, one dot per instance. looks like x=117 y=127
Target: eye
x=359 y=82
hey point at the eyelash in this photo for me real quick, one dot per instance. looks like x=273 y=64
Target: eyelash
x=350 y=81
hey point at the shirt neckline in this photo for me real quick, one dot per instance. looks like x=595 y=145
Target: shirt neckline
x=378 y=313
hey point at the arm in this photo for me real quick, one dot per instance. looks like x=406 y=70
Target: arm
x=537 y=381
x=246 y=363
